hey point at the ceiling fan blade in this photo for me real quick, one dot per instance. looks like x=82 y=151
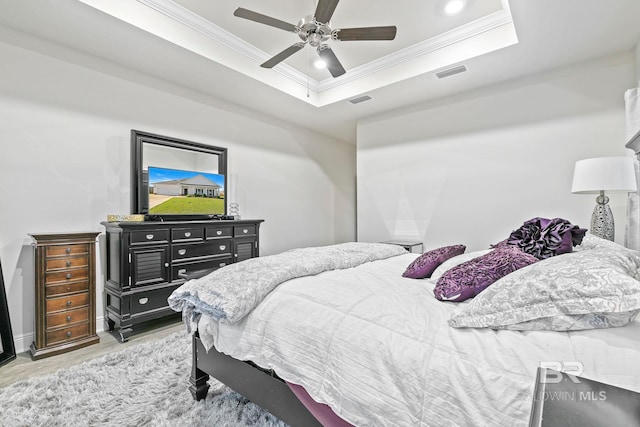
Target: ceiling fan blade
x=365 y=33
x=324 y=10
x=282 y=55
x=335 y=67
x=263 y=19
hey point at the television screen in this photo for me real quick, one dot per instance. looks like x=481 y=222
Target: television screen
x=183 y=192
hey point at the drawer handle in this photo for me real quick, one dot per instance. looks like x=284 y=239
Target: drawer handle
x=182 y=251
x=219 y=232
x=68 y=263
x=68 y=250
x=69 y=303
x=222 y=264
x=166 y=264
x=187 y=234
x=69 y=334
x=245 y=231
x=68 y=276
x=143 y=301
x=182 y=271
x=223 y=247
x=68 y=318
x=149 y=236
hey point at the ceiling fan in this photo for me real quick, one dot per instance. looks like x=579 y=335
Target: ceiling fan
x=316 y=30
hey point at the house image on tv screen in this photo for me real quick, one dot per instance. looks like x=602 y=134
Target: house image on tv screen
x=198 y=185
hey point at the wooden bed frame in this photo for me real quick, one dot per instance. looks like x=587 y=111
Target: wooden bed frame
x=261 y=386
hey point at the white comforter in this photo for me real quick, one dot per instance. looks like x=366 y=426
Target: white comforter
x=377 y=348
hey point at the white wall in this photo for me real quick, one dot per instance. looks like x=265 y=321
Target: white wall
x=638 y=63
x=471 y=169
x=64 y=165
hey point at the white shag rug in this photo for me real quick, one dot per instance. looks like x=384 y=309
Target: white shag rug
x=143 y=385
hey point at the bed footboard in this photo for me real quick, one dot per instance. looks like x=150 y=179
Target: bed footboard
x=261 y=387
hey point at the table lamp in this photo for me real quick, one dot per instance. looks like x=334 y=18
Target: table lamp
x=597 y=175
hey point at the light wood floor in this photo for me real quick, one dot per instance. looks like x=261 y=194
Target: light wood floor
x=24 y=367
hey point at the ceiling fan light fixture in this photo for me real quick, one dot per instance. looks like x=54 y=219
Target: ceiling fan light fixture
x=319 y=63
x=453 y=7
x=315 y=30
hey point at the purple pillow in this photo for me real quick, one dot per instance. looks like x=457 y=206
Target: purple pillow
x=468 y=279
x=544 y=238
x=425 y=264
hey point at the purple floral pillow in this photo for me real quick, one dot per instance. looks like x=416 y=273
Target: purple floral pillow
x=544 y=238
x=468 y=279
x=426 y=263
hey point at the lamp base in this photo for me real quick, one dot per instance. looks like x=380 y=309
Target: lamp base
x=602 y=219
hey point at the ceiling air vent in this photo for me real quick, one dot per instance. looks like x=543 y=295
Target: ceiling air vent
x=451 y=71
x=360 y=99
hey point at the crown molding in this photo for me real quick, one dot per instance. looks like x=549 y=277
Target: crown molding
x=184 y=16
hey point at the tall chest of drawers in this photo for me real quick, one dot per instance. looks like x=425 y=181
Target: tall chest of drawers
x=147 y=261
x=65 y=295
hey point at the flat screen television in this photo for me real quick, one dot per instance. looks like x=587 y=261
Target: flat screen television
x=176 y=193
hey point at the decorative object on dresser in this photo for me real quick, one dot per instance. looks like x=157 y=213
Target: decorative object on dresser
x=7 y=348
x=65 y=292
x=595 y=176
x=147 y=261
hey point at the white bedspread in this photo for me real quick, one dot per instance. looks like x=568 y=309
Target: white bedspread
x=376 y=347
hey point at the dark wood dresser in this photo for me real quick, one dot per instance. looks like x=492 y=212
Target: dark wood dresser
x=65 y=312
x=147 y=261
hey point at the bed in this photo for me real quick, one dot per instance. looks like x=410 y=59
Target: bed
x=345 y=335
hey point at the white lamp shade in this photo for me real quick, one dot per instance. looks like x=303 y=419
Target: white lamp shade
x=604 y=174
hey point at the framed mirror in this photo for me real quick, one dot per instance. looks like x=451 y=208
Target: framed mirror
x=7 y=348
x=177 y=179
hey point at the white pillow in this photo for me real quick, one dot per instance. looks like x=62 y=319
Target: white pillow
x=597 y=286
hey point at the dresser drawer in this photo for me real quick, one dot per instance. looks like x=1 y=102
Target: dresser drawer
x=244 y=230
x=153 y=299
x=218 y=232
x=68 y=302
x=68 y=262
x=67 y=317
x=187 y=234
x=62 y=250
x=149 y=236
x=66 y=288
x=66 y=276
x=71 y=333
x=198 y=250
x=190 y=267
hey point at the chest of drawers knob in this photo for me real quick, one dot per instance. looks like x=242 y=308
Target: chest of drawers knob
x=68 y=263
x=143 y=301
x=149 y=236
x=68 y=276
x=69 y=334
x=69 y=303
x=68 y=318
